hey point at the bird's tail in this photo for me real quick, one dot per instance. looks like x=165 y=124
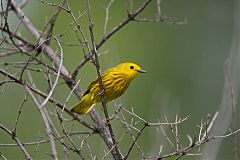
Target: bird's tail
x=84 y=106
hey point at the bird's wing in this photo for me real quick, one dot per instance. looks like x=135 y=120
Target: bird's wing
x=94 y=83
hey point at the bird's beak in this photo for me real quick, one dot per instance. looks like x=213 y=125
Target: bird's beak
x=141 y=71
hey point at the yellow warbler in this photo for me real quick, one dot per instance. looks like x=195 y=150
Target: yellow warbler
x=115 y=81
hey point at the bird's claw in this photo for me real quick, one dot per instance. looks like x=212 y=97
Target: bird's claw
x=108 y=121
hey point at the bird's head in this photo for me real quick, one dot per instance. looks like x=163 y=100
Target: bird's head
x=130 y=69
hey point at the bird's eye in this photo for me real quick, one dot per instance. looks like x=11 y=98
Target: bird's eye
x=131 y=67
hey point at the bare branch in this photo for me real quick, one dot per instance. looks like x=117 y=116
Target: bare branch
x=131 y=16
x=46 y=123
x=107 y=15
x=58 y=74
x=19 y=143
x=42 y=94
x=45 y=141
x=38 y=57
x=52 y=56
x=115 y=152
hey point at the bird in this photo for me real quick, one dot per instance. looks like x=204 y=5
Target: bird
x=115 y=82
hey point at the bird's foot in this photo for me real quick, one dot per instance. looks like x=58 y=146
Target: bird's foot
x=108 y=121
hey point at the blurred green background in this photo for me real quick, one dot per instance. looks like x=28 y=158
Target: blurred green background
x=184 y=63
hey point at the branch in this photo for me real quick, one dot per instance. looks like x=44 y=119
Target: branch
x=44 y=95
x=107 y=16
x=135 y=141
x=46 y=140
x=19 y=143
x=56 y=81
x=115 y=152
x=131 y=17
x=46 y=123
x=49 y=52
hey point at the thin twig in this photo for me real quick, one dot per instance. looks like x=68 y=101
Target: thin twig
x=52 y=56
x=107 y=15
x=115 y=152
x=58 y=74
x=19 y=112
x=131 y=17
x=134 y=142
x=46 y=140
x=234 y=112
x=44 y=95
x=19 y=143
x=46 y=124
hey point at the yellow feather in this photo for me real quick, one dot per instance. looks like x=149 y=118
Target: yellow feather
x=115 y=82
